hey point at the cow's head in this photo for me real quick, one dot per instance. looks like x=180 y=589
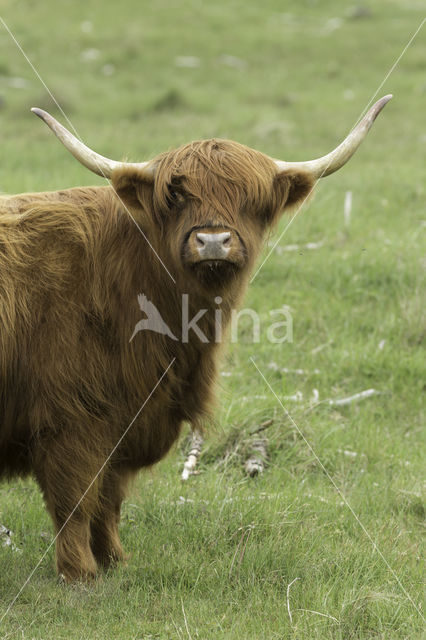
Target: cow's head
x=210 y=202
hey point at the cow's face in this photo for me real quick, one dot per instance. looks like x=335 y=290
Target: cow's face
x=209 y=205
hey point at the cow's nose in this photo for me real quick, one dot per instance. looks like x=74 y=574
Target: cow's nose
x=213 y=246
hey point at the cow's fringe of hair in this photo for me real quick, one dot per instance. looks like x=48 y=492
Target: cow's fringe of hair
x=237 y=178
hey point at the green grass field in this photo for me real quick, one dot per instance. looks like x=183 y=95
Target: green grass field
x=338 y=513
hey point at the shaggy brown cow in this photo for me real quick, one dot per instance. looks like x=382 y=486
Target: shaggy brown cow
x=81 y=407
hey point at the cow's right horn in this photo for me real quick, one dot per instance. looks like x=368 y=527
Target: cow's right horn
x=94 y=161
x=330 y=163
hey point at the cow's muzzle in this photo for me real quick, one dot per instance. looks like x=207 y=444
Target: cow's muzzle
x=214 y=246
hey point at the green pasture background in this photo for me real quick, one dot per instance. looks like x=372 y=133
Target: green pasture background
x=214 y=558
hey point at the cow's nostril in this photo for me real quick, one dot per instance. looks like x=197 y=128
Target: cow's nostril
x=227 y=241
x=199 y=241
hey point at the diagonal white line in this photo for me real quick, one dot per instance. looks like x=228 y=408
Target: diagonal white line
x=354 y=125
x=78 y=136
x=395 y=64
x=85 y=493
x=341 y=494
x=39 y=76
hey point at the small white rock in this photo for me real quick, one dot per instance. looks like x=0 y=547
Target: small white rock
x=86 y=26
x=108 y=69
x=89 y=54
x=192 y=62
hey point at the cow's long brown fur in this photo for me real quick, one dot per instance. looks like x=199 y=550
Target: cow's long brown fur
x=71 y=265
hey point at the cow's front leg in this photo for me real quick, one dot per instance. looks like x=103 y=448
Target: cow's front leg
x=70 y=476
x=74 y=557
x=105 y=539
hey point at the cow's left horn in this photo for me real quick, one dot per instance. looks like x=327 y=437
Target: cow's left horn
x=330 y=163
x=94 y=161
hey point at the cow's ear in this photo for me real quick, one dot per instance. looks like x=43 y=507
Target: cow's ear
x=291 y=187
x=133 y=186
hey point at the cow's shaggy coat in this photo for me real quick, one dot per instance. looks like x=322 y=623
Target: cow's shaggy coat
x=71 y=266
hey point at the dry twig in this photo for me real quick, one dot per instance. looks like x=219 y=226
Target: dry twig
x=255 y=464
x=288 y=600
x=347 y=209
x=197 y=441
x=263 y=426
x=318 y=613
x=354 y=398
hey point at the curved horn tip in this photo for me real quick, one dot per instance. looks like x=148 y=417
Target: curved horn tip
x=39 y=112
x=36 y=110
x=378 y=106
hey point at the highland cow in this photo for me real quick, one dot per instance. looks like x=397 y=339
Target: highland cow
x=83 y=407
